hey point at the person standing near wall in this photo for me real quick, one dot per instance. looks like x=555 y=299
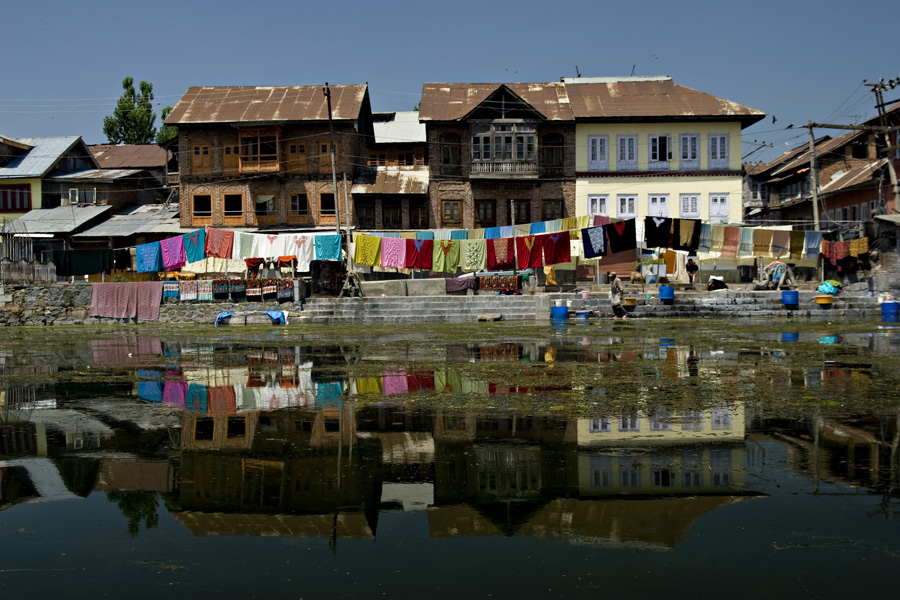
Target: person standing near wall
x=692 y=269
x=615 y=296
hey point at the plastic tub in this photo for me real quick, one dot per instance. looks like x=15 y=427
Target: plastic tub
x=790 y=299
x=890 y=312
x=559 y=312
x=666 y=294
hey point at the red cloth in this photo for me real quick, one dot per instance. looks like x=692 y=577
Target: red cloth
x=222 y=400
x=556 y=248
x=419 y=254
x=529 y=252
x=149 y=297
x=500 y=254
x=219 y=242
x=127 y=300
x=732 y=238
x=287 y=261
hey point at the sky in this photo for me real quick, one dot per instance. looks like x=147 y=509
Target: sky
x=797 y=61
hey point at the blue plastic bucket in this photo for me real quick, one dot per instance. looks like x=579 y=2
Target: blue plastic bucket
x=890 y=312
x=559 y=312
x=790 y=298
x=583 y=314
x=667 y=294
x=790 y=336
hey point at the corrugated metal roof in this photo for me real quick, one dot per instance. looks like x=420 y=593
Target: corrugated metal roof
x=823 y=146
x=37 y=161
x=398 y=128
x=62 y=219
x=589 y=99
x=854 y=177
x=97 y=175
x=133 y=156
x=240 y=104
x=15 y=143
x=138 y=219
x=391 y=180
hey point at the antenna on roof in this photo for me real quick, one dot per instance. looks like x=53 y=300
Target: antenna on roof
x=632 y=70
x=577 y=72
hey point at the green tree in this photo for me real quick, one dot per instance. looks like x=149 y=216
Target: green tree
x=166 y=132
x=133 y=118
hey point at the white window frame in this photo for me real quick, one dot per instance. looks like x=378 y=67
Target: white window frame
x=629 y=201
x=658 y=205
x=719 y=151
x=601 y=425
x=626 y=153
x=689 y=206
x=629 y=422
x=598 y=204
x=716 y=212
x=689 y=152
x=598 y=153
x=660 y=161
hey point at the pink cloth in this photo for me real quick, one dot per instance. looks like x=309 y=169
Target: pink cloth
x=730 y=242
x=395 y=383
x=174 y=393
x=117 y=300
x=149 y=297
x=219 y=242
x=173 y=253
x=393 y=252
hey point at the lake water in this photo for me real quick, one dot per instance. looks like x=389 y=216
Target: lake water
x=569 y=460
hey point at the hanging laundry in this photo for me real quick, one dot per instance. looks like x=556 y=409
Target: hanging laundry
x=705 y=245
x=170 y=289
x=745 y=243
x=594 y=239
x=813 y=243
x=244 y=245
x=762 y=242
x=393 y=252
x=149 y=258
x=83 y=262
x=492 y=233
x=301 y=246
x=194 y=245
x=657 y=232
x=669 y=259
x=781 y=242
x=731 y=238
x=419 y=254
x=556 y=248
x=187 y=290
x=328 y=247
x=445 y=257
x=537 y=228
x=718 y=237
x=553 y=226
x=219 y=243
x=621 y=236
x=205 y=290
x=569 y=223
x=599 y=220
x=796 y=245
x=269 y=245
x=368 y=250
x=687 y=236
x=459 y=234
x=529 y=252
x=173 y=256
x=500 y=254
x=860 y=249
x=473 y=255
x=425 y=235
x=506 y=231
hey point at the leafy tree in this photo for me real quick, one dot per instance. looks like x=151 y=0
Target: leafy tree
x=166 y=132
x=133 y=118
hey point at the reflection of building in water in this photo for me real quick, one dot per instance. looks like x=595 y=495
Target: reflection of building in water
x=721 y=424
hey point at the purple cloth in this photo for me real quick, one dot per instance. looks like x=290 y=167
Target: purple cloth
x=456 y=284
x=174 y=393
x=149 y=297
x=173 y=253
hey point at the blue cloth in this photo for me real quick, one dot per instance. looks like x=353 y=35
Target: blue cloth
x=827 y=288
x=328 y=247
x=194 y=245
x=537 y=228
x=222 y=316
x=594 y=239
x=506 y=231
x=196 y=399
x=424 y=235
x=149 y=258
x=278 y=317
x=459 y=234
x=813 y=243
x=492 y=233
x=151 y=391
x=329 y=393
x=391 y=234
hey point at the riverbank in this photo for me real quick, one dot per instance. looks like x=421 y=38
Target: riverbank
x=69 y=304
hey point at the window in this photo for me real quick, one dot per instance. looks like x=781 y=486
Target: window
x=523 y=211
x=230 y=158
x=299 y=205
x=601 y=471
x=297 y=158
x=327 y=205
x=233 y=206
x=450 y=155
x=598 y=153
x=626 y=154
x=864 y=211
x=718 y=207
x=236 y=427
x=202 y=205
x=201 y=161
x=451 y=212
x=365 y=212
x=759 y=191
x=391 y=214
x=418 y=214
x=15 y=198
x=406 y=159
x=718 y=151
x=553 y=209
x=377 y=159
x=600 y=425
x=691 y=420
x=485 y=213
x=690 y=206
x=598 y=205
x=86 y=196
x=658 y=205
x=204 y=428
x=660 y=152
x=661 y=419
x=265 y=205
x=258 y=149
x=503 y=147
x=627 y=204
x=553 y=152
x=689 y=155
x=630 y=423
x=721 y=418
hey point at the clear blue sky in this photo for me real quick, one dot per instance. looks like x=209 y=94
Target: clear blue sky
x=64 y=60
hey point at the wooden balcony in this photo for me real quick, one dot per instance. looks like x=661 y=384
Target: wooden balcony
x=504 y=167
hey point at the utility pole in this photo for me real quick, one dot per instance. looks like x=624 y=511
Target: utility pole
x=337 y=204
x=813 y=177
x=878 y=89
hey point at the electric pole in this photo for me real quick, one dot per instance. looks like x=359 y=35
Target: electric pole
x=337 y=205
x=813 y=177
x=878 y=89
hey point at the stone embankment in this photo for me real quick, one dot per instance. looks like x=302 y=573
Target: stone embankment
x=69 y=304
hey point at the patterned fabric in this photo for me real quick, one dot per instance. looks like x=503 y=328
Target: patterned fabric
x=269 y=245
x=500 y=254
x=473 y=255
x=219 y=243
x=244 y=245
x=445 y=256
x=813 y=243
x=368 y=250
x=205 y=290
x=187 y=290
x=173 y=253
x=419 y=254
x=301 y=246
x=170 y=289
x=529 y=253
x=149 y=258
x=594 y=239
x=269 y=287
x=328 y=247
x=286 y=289
x=393 y=252
x=194 y=245
x=556 y=248
x=745 y=242
x=621 y=236
x=498 y=282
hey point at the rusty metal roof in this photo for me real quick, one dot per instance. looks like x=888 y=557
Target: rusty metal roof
x=590 y=99
x=261 y=104
x=97 y=175
x=392 y=180
x=132 y=156
x=824 y=145
x=854 y=177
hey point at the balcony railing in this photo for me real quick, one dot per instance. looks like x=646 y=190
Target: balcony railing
x=504 y=166
x=173 y=179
